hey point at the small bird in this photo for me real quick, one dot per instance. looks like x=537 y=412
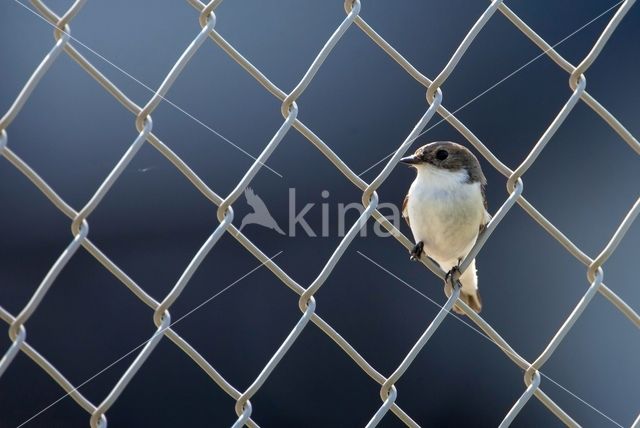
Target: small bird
x=446 y=209
x=260 y=214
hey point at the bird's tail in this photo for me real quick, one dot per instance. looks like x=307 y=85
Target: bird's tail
x=472 y=299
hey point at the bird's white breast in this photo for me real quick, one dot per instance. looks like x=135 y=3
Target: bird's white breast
x=445 y=213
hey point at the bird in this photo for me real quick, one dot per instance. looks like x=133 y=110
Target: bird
x=260 y=214
x=446 y=209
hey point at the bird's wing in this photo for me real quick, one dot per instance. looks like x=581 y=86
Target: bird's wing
x=254 y=201
x=483 y=190
x=487 y=216
x=405 y=209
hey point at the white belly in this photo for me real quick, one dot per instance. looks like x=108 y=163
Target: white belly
x=445 y=213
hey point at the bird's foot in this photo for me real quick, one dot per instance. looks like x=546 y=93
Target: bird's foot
x=416 y=252
x=453 y=276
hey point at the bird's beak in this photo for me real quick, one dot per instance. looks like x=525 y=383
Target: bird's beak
x=410 y=160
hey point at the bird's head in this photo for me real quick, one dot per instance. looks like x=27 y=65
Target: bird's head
x=446 y=156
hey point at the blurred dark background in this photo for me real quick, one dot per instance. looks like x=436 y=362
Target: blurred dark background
x=362 y=104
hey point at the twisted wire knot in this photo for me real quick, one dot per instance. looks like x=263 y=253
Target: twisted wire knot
x=17 y=332
x=98 y=420
x=207 y=13
x=3 y=140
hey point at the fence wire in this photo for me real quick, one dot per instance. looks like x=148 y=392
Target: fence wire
x=64 y=42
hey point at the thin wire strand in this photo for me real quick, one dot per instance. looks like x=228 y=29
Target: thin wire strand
x=307 y=304
x=503 y=349
x=134 y=349
x=148 y=88
x=499 y=82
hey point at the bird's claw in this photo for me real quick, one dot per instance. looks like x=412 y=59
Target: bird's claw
x=416 y=252
x=453 y=275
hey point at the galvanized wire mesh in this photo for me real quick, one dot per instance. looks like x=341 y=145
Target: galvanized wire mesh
x=307 y=303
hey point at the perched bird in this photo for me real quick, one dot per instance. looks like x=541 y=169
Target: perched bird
x=446 y=209
x=260 y=214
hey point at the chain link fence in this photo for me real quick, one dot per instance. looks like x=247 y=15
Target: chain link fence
x=64 y=42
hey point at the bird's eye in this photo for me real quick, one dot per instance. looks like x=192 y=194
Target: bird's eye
x=441 y=155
